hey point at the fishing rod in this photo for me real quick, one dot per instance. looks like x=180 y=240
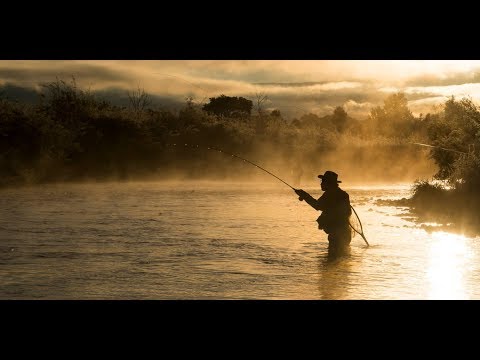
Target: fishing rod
x=248 y=161
x=360 y=232
x=439 y=147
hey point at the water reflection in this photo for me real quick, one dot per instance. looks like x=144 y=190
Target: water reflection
x=447 y=265
x=335 y=280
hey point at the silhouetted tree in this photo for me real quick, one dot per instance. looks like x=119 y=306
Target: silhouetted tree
x=189 y=102
x=70 y=134
x=339 y=118
x=314 y=121
x=296 y=123
x=139 y=99
x=457 y=129
x=275 y=113
x=260 y=99
x=228 y=106
x=394 y=118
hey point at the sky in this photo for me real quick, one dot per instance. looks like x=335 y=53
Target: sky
x=295 y=87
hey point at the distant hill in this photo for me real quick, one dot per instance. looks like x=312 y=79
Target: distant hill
x=22 y=94
x=115 y=96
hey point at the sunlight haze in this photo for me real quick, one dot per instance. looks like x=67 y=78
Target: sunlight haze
x=310 y=85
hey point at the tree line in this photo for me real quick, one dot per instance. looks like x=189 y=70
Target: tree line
x=71 y=134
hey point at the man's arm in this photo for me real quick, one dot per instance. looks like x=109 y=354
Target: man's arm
x=309 y=199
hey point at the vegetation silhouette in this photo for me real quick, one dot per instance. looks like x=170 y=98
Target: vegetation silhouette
x=229 y=106
x=72 y=134
x=452 y=197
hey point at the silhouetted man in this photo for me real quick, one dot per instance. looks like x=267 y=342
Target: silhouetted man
x=335 y=207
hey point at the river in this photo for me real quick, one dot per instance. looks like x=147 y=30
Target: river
x=219 y=240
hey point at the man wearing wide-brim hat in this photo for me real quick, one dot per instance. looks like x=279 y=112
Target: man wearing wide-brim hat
x=335 y=207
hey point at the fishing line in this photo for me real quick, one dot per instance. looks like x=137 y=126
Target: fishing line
x=359 y=231
x=241 y=158
x=439 y=147
x=199 y=87
x=258 y=166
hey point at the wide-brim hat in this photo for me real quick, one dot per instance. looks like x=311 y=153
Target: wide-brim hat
x=330 y=176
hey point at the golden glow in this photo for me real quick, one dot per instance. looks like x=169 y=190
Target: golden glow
x=446 y=272
x=312 y=85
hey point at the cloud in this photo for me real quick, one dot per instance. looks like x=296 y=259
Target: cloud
x=295 y=87
x=34 y=73
x=426 y=105
x=115 y=96
x=352 y=106
x=457 y=78
x=463 y=90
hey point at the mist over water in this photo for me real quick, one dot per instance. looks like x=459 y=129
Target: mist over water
x=391 y=163
x=219 y=240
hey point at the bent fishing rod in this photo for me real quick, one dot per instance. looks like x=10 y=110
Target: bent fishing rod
x=360 y=232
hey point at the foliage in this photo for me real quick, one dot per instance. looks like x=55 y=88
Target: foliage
x=71 y=135
x=275 y=113
x=139 y=99
x=394 y=118
x=424 y=191
x=456 y=133
x=229 y=106
x=339 y=118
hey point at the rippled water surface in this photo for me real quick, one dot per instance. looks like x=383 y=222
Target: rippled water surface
x=218 y=241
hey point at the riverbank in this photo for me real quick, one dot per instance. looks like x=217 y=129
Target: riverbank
x=439 y=208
